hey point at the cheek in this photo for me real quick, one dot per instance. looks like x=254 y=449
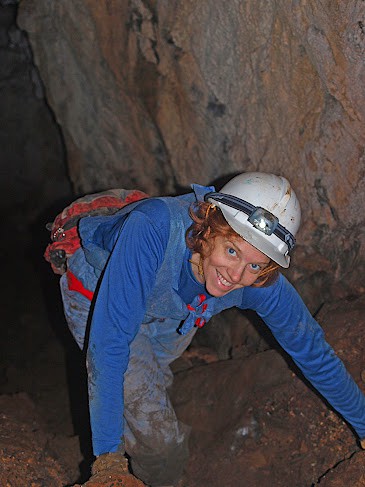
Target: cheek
x=214 y=260
x=248 y=279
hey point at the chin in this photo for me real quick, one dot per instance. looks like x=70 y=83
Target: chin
x=217 y=293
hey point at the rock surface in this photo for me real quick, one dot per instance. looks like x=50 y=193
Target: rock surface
x=32 y=156
x=25 y=459
x=157 y=95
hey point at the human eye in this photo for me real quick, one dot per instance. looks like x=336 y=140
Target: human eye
x=255 y=267
x=231 y=251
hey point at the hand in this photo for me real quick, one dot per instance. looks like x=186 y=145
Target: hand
x=362 y=443
x=111 y=470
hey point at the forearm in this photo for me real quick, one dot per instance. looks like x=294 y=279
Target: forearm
x=105 y=384
x=119 y=310
x=336 y=385
x=303 y=339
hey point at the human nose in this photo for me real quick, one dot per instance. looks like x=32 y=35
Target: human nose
x=236 y=272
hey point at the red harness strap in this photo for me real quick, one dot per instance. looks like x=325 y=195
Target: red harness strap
x=75 y=284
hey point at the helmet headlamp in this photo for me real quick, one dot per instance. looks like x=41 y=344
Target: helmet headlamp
x=263 y=220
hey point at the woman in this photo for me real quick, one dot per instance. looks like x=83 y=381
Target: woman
x=162 y=267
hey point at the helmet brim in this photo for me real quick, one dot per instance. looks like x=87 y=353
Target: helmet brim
x=258 y=240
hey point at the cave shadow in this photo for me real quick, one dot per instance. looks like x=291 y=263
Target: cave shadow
x=74 y=358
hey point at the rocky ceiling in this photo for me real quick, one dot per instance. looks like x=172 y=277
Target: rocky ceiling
x=156 y=95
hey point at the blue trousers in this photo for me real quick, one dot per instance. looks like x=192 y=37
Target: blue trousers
x=155 y=440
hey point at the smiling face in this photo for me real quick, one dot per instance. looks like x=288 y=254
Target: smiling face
x=232 y=264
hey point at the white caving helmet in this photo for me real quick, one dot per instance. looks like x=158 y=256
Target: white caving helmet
x=264 y=210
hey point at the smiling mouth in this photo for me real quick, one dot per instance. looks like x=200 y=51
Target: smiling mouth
x=223 y=281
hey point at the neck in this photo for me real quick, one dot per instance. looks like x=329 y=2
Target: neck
x=197 y=267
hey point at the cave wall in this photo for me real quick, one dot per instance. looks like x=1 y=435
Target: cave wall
x=157 y=94
x=32 y=155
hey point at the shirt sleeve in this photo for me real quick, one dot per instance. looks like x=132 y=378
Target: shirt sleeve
x=282 y=309
x=120 y=306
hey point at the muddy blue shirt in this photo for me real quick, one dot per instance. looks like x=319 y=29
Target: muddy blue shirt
x=147 y=277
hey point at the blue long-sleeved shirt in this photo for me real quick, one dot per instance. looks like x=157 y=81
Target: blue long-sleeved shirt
x=138 y=245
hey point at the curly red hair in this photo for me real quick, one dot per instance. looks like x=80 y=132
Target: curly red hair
x=209 y=223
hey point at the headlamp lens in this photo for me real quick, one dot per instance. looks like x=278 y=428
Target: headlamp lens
x=263 y=220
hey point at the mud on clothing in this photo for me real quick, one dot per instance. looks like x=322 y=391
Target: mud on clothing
x=139 y=261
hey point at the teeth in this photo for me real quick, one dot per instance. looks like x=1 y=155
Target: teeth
x=223 y=281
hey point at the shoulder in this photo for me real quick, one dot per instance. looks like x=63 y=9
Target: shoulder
x=167 y=210
x=151 y=213
x=153 y=207
x=280 y=303
x=267 y=298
